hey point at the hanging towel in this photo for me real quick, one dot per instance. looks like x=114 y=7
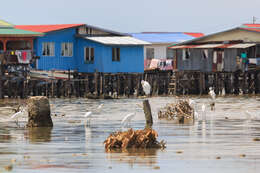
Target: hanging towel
x=18 y=53
x=215 y=57
x=154 y=63
x=24 y=55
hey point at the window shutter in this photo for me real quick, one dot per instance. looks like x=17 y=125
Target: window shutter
x=118 y=54
x=87 y=54
x=92 y=54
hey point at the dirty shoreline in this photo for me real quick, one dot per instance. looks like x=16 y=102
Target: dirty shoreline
x=223 y=142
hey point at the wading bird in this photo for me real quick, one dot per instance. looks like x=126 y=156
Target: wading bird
x=127 y=119
x=146 y=87
x=88 y=116
x=16 y=115
x=213 y=97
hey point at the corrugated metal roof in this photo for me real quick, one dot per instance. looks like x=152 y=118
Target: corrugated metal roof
x=115 y=40
x=46 y=28
x=194 y=34
x=208 y=46
x=251 y=25
x=4 y=24
x=167 y=37
x=18 y=32
x=242 y=46
x=252 y=29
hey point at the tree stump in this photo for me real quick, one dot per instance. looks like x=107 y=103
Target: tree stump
x=39 y=112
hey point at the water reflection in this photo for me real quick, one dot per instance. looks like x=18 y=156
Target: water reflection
x=143 y=157
x=226 y=132
x=39 y=134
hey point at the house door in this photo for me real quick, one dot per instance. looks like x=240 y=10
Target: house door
x=218 y=61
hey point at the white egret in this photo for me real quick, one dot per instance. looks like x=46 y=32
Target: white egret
x=127 y=119
x=17 y=115
x=241 y=92
x=212 y=93
x=100 y=106
x=251 y=115
x=146 y=87
x=213 y=97
x=196 y=115
x=88 y=116
x=223 y=93
x=192 y=104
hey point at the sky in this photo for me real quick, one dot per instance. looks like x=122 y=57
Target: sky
x=206 y=16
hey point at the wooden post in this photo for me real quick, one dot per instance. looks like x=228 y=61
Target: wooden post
x=1 y=81
x=201 y=83
x=148 y=114
x=96 y=83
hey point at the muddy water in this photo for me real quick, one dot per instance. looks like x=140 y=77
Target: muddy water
x=223 y=142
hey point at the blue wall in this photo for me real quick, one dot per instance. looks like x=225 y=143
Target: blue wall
x=56 y=62
x=131 y=57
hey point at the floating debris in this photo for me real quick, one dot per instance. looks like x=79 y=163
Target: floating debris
x=179 y=152
x=242 y=155
x=156 y=167
x=144 y=139
x=256 y=139
x=181 y=111
x=8 y=168
x=218 y=157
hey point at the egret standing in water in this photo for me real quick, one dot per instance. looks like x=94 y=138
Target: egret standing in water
x=146 y=87
x=213 y=97
x=88 y=116
x=17 y=115
x=127 y=119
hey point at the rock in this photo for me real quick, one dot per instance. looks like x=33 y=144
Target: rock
x=39 y=112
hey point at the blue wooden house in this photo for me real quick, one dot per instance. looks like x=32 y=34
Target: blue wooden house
x=86 y=48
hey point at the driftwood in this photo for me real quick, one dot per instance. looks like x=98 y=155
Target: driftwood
x=180 y=111
x=143 y=139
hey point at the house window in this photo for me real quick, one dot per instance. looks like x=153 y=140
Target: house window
x=170 y=53
x=149 y=53
x=89 y=54
x=67 y=49
x=115 y=54
x=48 y=48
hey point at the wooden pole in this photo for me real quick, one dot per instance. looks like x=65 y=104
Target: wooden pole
x=148 y=114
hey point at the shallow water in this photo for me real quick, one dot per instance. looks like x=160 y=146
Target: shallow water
x=221 y=143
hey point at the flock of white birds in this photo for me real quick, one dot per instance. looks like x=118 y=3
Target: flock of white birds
x=127 y=119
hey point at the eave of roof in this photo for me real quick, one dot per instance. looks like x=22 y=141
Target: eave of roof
x=47 y=28
x=17 y=32
x=210 y=35
x=118 y=40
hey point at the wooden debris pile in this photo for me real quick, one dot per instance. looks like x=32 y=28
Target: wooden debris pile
x=143 y=139
x=180 y=111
